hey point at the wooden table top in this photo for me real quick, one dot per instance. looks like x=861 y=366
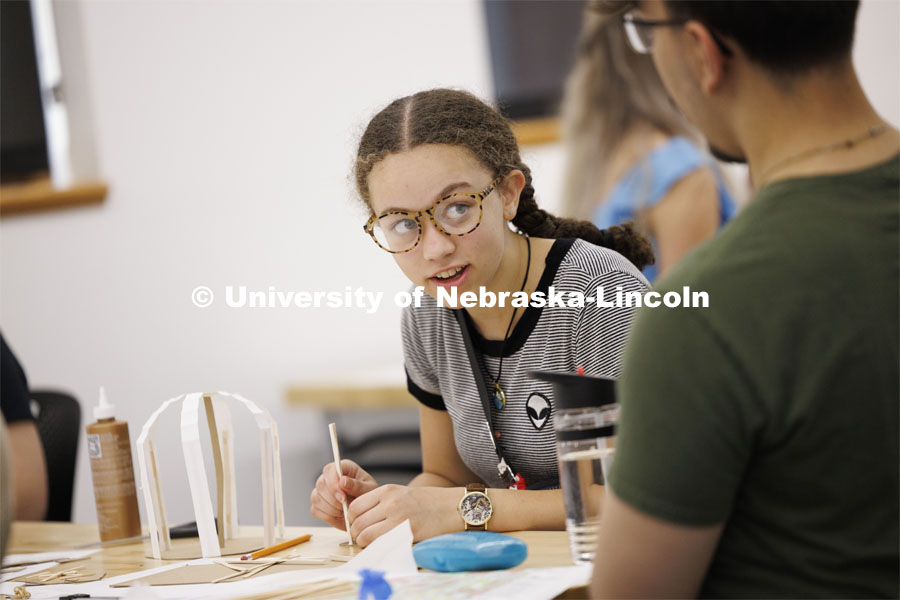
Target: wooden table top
x=545 y=548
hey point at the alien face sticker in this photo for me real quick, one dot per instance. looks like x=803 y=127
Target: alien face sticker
x=538 y=408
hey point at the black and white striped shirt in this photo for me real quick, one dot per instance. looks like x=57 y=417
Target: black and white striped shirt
x=555 y=338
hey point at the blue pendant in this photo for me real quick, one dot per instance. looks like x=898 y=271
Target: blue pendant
x=499 y=397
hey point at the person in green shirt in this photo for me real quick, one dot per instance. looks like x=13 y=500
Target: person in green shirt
x=757 y=453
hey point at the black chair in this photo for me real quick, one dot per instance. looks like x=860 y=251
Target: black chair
x=58 y=423
x=392 y=456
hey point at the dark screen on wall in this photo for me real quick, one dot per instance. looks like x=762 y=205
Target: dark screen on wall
x=532 y=45
x=23 y=146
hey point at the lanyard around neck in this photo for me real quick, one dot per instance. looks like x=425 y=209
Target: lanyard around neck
x=503 y=469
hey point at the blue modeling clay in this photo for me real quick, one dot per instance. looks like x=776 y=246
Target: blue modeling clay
x=373 y=585
x=470 y=551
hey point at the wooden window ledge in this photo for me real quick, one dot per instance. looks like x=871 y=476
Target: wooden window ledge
x=533 y=132
x=340 y=397
x=39 y=195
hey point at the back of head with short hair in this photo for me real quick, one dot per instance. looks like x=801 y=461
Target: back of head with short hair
x=785 y=36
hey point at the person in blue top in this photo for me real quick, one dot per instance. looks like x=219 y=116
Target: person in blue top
x=631 y=155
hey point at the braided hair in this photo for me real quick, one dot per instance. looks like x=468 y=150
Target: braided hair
x=458 y=118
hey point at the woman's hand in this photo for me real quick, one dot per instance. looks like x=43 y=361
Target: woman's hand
x=330 y=491
x=431 y=511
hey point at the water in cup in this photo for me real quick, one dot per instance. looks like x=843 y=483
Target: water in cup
x=585 y=418
x=581 y=476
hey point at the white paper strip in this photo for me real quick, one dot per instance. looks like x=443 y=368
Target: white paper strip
x=270 y=464
x=150 y=485
x=279 y=496
x=226 y=445
x=196 y=472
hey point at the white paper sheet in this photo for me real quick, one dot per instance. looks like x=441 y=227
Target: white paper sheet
x=48 y=559
x=10 y=559
x=25 y=571
x=392 y=553
x=524 y=584
x=94 y=588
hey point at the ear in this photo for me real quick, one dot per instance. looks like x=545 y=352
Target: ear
x=510 y=189
x=707 y=58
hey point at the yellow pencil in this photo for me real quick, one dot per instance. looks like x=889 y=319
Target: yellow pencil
x=276 y=548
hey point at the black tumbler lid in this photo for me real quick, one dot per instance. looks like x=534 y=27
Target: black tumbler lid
x=571 y=390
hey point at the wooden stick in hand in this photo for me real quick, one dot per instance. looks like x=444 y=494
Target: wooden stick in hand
x=337 y=465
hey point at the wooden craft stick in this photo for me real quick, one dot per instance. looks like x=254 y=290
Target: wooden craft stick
x=217 y=459
x=10 y=567
x=279 y=496
x=276 y=547
x=198 y=482
x=162 y=521
x=288 y=560
x=267 y=456
x=271 y=472
x=152 y=487
x=339 y=558
x=224 y=563
x=227 y=439
x=246 y=573
x=332 y=429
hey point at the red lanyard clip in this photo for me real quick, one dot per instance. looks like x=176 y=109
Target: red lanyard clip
x=518 y=483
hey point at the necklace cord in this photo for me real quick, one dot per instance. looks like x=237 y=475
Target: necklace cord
x=843 y=144
x=513 y=317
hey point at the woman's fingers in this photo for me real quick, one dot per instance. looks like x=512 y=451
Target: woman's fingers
x=354 y=487
x=322 y=511
x=327 y=495
x=352 y=482
x=330 y=477
x=316 y=502
x=348 y=467
x=373 y=532
x=332 y=490
x=337 y=523
x=366 y=519
x=364 y=503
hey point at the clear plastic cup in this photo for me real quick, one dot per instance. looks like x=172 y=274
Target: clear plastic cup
x=585 y=420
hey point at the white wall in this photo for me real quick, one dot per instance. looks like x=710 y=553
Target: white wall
x=876 y=54
x=226 y=133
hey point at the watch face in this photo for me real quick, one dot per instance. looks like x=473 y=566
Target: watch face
x=475 y=508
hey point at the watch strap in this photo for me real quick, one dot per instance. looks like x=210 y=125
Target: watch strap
x=480 y=488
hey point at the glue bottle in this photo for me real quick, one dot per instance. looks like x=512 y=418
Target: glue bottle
x=109 y=448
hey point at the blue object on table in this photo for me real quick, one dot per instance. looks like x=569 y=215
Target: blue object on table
x=373 y=585
x=470 y=551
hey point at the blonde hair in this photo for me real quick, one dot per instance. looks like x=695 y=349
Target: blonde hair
x=610 y=90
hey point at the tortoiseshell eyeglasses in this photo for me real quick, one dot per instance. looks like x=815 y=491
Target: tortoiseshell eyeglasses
x=399 y=231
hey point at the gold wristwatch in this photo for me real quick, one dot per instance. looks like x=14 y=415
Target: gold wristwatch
x=475 y=508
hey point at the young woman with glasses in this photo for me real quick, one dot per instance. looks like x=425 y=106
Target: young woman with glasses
x=441 y=174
